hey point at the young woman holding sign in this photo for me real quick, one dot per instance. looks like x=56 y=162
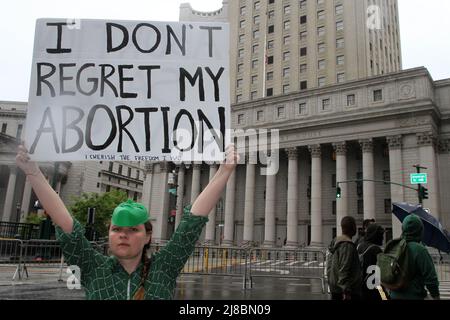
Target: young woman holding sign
x=128 y=273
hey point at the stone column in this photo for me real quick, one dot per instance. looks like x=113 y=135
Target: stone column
x=292 y=197
x=316 y=196
x=160 y=206
x=249 y=214
x=180 y=192
x=147 y=185
x=341 y=175
x=9 y=198
x=368 y=173
x=230 y=192
x=195 y=189
x=427 y=151
x=269 y=219
x=211 y=225
x=25 y=207
x=396 y=175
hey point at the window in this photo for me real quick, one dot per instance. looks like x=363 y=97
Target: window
x=321 y=47
x=271 y=29
x=339 y=25
x=241 y=53
x=302 y=4
x=271 y=1
x=303 y=85
x=108 y=188
x=321 y=15
x=269 y=92
x=303 y=35
x=333 y=180
x=339 y=9
x=271 y=14
x=242 y=10
x=340 y=77
x=340 y=60
x=287 y=9
x=98 y=184
x=239 y=98
x=260 y=115
x=256 y=34
x=287 y=25
x=110 y=169
x=240 y=67
x=302 y=108
x=19 y=131
x=241 y=38
x=325 y=104
x=253 y=95
x=321 y=65
x=254 y=79
x=256 y=19
x=286 y=72
x=351 y=100
x=137 y=174
x=319 y=2
x=240 y=118
x=242 y=24
x=99 y=174
x=280 y=112
x=303 y=19
x=386 y=176
x=270 y=60
x=257 y=5
x=340 y=43
x=120 y=169
x=129 y=172
x=387 y=206
x=286 y=56
x=269 y=75
x=303 y=68
x=286 y=88
x=270 y=44
x=254 y=64
x=239 y=83
x=255 y=48
x=286 y=40
x=360 y=206
x=378 y=95
x=4 y=126
x=320 y=31
x=303 y=52
x=333 y=208
x=321 y=82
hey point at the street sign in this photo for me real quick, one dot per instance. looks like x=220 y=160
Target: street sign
x=418 y=178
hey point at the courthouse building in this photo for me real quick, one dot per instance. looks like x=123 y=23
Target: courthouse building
x=332 y=84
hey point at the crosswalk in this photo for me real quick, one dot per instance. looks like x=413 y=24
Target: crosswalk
x=444 y=288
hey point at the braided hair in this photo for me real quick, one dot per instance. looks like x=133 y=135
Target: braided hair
x=146 y=262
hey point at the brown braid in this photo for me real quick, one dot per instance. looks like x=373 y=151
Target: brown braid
x=140 y=293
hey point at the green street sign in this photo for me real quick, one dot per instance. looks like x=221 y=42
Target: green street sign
x=418 y=178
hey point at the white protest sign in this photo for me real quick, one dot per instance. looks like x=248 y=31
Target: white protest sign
x=129 y=90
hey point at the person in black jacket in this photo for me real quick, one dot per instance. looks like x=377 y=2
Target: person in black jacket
x=343 y=268
x=368 y=249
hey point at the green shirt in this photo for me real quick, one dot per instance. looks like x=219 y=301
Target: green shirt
x=104 y=278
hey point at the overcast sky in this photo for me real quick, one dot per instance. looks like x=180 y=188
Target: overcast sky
x=424 y=28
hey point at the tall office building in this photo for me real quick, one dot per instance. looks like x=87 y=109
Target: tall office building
x=283 y=46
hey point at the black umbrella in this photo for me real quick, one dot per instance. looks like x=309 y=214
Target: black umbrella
x=434 y=235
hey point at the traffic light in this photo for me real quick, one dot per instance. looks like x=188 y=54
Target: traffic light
x=423 y=193
x=338 y=193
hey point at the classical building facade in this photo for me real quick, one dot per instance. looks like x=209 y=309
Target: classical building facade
x=277 y=47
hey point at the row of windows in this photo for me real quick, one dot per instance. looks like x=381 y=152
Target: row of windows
x=18 y=132
x=339 y=9
x=120 y=170
x=325 y=105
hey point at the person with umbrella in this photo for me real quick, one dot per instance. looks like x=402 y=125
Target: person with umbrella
x=421 y=270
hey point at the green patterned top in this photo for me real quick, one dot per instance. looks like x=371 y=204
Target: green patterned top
x=104 y=278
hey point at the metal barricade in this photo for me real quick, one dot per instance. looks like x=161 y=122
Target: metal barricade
x=442 y=265
x=42 y=256
x=287 y=263
x=10 y=256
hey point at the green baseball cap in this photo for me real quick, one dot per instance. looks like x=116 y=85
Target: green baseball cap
x=129 y=214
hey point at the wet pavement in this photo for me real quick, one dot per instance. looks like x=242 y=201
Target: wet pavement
x=43 y=284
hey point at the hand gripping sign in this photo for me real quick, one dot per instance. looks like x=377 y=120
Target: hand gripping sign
x=129 y=90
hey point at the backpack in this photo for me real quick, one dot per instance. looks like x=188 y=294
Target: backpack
x=361 y=256
x=393 y=264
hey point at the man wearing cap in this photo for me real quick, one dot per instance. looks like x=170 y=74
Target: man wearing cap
x=128 y=273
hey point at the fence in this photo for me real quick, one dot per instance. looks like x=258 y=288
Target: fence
x=24 y=231
x=10 y=255
x=442 y=265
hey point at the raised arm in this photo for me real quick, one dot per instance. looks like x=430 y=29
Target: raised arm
x=49 y=199
x=206 y=201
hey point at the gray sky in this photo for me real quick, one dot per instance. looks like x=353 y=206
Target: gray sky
x=424 y=31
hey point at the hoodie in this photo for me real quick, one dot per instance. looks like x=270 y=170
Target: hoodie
x=343 y=268
x=421 y=271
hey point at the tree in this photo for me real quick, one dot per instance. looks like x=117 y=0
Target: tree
x=104 y=205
